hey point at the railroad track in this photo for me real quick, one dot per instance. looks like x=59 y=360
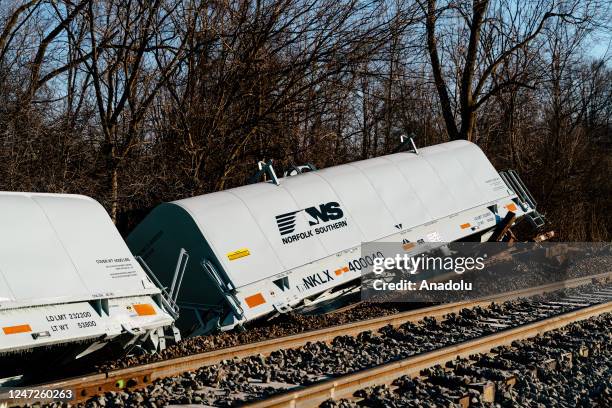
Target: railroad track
x=566 y=367
x=138 y=377
x=346 y=386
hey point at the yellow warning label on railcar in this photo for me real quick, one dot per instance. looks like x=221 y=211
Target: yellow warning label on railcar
x=241 y=253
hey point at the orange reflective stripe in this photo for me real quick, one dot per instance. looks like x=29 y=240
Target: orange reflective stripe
x=466 y=225
x=23 y=328
x=144 y=309
x=255 y=300
x=511 y=207
x=341 y=270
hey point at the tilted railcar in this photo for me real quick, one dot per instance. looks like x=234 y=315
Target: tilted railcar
x=240 y=254
x=67 y=279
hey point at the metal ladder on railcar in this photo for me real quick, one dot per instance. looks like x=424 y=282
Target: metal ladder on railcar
x=168 y=298
x=526 y=200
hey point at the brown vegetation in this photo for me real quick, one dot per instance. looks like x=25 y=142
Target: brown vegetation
x=137 y=102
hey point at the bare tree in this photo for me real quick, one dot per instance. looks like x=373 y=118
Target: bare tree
x=133 y=49
x=137 y=102
x=497 y=34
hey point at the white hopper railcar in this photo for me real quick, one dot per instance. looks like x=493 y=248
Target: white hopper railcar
x=68 y=279
x=270 y=247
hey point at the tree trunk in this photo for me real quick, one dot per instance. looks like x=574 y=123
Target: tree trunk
x=468 y=122
x=432 y=47
x=112 y=171
x=468 y=108
x=114 y=185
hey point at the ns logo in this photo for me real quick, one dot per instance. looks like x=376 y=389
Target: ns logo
x=322 y=213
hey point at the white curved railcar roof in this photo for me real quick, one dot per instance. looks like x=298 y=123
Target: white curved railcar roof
x=375 y=196
x=59 y=248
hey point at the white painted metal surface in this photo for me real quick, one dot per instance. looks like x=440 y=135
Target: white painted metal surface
x=374 y=195
x=67 y=275
x=310 y=227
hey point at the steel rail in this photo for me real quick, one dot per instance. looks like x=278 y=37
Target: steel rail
x=345 y=386
x=140 y=376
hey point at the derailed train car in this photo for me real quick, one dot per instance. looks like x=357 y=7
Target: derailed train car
x=68 y=279
x=240 y=254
